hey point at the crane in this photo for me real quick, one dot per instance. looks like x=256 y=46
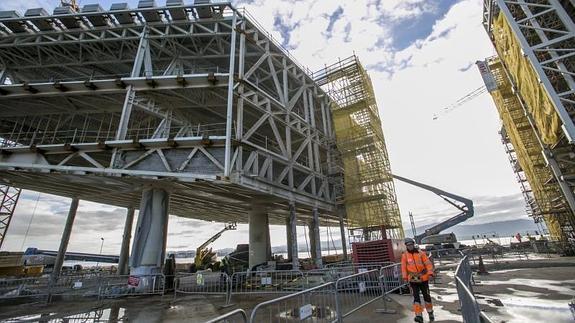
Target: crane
x=204 y=255
x=432 y=235
x=466 y=98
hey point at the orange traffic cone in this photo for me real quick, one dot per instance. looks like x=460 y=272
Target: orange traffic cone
x=481 y=268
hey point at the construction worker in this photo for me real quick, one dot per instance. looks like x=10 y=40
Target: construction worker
x=416 y=268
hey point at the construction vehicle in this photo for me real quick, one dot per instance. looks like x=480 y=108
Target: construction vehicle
x=433 y=235
x=205 y=257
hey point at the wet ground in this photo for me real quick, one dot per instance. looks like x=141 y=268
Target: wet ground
x=538 y=291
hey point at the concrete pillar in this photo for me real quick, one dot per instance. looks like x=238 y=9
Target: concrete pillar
x=65 y=239
x=125 y=249
x=292 y=237
x=314 y=238
x=259 y=236
x=149 y=246
x=342 y=233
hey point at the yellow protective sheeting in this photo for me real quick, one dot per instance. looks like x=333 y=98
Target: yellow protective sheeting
x=369 y=198
x=524 y=76
x=548 y=196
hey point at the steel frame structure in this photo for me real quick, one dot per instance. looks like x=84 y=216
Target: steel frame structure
x=545 y=31
x=198 y=99
x=9 y=196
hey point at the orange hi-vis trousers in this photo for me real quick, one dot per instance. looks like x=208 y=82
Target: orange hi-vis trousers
x=422 y=287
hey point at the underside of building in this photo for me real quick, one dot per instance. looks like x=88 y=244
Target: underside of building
x=532 y=84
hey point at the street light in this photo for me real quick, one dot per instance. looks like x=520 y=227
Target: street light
x=101 y=246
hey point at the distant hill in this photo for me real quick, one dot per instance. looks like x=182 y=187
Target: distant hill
x=502 y=228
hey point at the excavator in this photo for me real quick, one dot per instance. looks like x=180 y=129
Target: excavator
x=433 y=235
x=205 y=256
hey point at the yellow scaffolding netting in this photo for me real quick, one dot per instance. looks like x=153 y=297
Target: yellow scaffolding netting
x=529 y=153
x=369 y=195
x=524 y=76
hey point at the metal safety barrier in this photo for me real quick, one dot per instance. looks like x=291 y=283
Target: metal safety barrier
x=317 y=304
x=208 y=283
x=126 y=285
x=77 y=287
x=470 y=310
x=267 y=282
x=390 y=277
x=234 y=316
x=20 y=288
x=356 y=291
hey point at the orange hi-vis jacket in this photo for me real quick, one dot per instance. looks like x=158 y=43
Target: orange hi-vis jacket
x=416 y=266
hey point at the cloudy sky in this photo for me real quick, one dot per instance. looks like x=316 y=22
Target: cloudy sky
x=420 y=55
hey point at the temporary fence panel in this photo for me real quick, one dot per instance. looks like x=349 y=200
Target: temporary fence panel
x=32 y=287
x=77 y=286
x=234 y=316
x=203 y=284
x=469 y=307
x=356 y=291
x=315 y=304
x=265 y=282
x=119 y=286
x=390 y=277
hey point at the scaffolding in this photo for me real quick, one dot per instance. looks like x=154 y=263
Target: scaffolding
x=369 y=200
x=535 y=44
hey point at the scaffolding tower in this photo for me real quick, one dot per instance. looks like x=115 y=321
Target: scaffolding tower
x=535 y=96
x=542 y=193
x=369 y=199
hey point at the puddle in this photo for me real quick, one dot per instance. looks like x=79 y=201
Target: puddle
x=551 y=285
x=529 y=310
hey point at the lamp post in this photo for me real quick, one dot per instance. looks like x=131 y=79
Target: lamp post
x=101 y=246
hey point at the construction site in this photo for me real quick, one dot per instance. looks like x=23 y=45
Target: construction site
x=196 y=111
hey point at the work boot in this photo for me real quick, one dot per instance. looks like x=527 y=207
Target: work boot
x=431 y=316
x=418 y=319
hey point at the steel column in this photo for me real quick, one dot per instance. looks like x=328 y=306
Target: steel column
x=342 y=233
x=258 y=232
x=149 y=246
x=65 y=240
x=292 y=245
x=230 y=102
x=125 y=249
x=315 y=239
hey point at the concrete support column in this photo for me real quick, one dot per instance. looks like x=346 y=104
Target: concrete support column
x=259 y=236
x=342 y=233
x=65 y=239
x=149 y=246
x=125 y=250
x=314 y=238
x=291 y=228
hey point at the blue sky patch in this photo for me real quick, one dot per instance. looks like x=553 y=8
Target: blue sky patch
x=407 y=31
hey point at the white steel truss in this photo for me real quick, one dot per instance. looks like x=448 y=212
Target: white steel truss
x=209 y=105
